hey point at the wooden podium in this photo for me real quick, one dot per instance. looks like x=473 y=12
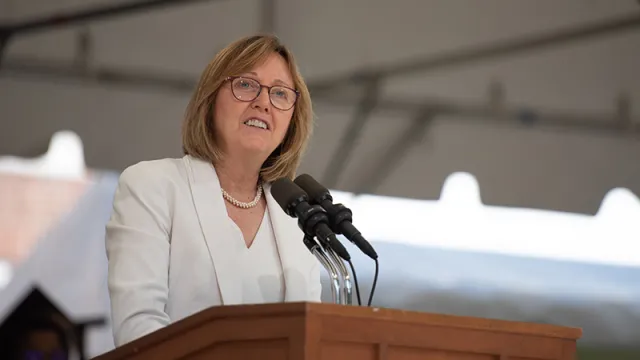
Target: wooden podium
x=300 y=331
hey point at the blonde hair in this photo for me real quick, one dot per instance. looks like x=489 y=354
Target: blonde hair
x=198 y=138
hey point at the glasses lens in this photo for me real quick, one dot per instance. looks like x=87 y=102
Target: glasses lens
x=283 y=98
x=245 y=89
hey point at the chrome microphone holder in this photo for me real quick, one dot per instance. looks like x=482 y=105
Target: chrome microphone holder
x=347 y=288
x=328 y=265
x=341 y=287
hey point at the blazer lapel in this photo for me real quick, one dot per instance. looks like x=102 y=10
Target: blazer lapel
x=217 y=231
x=294 y=256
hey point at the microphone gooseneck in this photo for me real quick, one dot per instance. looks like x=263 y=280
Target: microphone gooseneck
x=316 y=250
x=345 y=277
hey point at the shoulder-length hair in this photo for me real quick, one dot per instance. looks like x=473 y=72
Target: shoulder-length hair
x=198 y=138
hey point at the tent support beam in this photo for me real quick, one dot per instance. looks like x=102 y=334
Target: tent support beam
x=412 y=136
x=351 y=136
x=474 y=54
x=601 y=124
x=50 y=22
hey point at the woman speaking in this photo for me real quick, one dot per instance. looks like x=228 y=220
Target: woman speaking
x=203 y=230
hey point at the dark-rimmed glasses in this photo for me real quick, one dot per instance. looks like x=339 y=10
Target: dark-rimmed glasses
x=247 y=89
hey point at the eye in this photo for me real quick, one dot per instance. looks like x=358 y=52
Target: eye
x=280 y=92
x=246 y=84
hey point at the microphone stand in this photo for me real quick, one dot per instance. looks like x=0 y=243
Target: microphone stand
x=316 y=250
x=347 y=294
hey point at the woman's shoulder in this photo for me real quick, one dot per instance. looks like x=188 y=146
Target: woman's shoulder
x=154 y=167
x=153 y=173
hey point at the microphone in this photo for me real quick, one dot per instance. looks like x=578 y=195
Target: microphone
x=312 y=219
x=340 y=216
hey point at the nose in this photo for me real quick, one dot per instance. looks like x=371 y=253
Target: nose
x=262 y=102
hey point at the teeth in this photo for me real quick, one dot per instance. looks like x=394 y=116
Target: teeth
x=257 y=123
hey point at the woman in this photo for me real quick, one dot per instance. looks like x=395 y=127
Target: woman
x=203 y=230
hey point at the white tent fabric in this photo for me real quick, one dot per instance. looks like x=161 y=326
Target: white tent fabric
x=64 y=159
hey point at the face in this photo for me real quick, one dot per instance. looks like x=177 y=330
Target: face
x=239 y=125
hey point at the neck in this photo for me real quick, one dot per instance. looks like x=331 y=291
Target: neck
x=239 y=179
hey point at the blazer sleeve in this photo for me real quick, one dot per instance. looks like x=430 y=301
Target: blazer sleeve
x=137 y=246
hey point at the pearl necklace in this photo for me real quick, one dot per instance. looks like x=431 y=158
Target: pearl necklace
x=240 y=204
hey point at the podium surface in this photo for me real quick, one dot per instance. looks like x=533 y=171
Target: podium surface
x=327 y=331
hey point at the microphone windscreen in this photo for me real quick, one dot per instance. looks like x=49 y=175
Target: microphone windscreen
x=315 y=190
x=286 y=192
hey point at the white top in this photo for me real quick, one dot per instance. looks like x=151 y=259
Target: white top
x=259 y=266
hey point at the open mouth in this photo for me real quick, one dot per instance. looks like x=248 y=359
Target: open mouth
x=257 y=124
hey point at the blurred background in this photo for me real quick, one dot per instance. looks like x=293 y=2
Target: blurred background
x=490 y=149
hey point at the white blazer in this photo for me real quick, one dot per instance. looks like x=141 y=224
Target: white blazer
x=170 y=253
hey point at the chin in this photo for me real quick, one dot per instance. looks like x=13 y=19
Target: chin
x=255 y=147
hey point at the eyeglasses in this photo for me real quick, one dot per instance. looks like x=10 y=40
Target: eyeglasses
x=246 y=89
